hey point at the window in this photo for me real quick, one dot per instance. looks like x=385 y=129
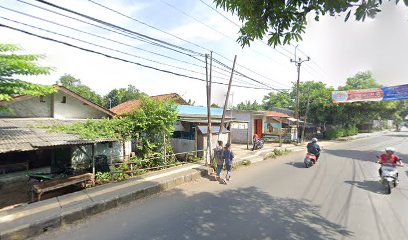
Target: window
x=42 y=99
x=64 y=99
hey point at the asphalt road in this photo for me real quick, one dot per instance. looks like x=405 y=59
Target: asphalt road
x=340 y=198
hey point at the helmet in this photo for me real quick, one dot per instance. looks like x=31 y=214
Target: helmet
x=390 y=149
x=314 y=140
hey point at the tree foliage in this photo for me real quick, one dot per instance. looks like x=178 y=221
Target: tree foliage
x=150 y=126
x=121 y=95
x=285 y=21
x=279 y=100
x=13 y=65
x=248 y=106
x=75 y=85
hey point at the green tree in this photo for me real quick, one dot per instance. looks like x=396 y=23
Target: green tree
x=75 y=85
x=319 y=97
x=280 y=100
x=214 y=105
x=13 y=65
x=285 y=21
x=121 y=95
x=248 y=106
x=362 y=80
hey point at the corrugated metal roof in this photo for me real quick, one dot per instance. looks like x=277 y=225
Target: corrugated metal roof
x=214 y=129
x=186 y=110
x=21 y=135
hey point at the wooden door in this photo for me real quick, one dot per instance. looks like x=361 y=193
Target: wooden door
x=258 y=127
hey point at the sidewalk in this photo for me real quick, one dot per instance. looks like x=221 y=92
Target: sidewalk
x=33 y=219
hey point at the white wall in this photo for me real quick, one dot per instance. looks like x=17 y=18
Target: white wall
x=73 y=108
x=31 y=107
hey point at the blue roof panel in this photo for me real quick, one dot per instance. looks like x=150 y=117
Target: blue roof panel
x=197 y=110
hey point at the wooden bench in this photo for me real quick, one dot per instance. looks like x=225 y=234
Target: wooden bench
x=40 y=188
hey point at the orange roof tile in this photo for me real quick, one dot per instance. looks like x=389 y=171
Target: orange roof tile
x=131 y=105
x=276 y=114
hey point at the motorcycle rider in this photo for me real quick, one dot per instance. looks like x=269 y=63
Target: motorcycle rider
x=389 y=157
x=255 y=139
x=314 y=148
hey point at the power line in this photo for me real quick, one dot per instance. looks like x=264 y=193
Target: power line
x=206 y=25
x=99 y=21
x=101 y=37
x=229 y=20
x=120 y=59
x=280 y=47
x=100 y=46
x=124 y=33
x=184 y=40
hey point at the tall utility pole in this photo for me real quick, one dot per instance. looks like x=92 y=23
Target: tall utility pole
x=298 y=64
x=209 y=129
x=226 y=98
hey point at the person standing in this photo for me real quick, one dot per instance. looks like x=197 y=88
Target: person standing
x=219 y=159
x=229 y=158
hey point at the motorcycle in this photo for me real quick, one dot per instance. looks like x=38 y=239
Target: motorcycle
x=258 y=144
x=310 y=160
x=389 y=176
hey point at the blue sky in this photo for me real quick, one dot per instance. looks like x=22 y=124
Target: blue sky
x=338 y=49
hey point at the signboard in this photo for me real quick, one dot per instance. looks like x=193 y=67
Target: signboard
x=395 y=93
x=374 y=94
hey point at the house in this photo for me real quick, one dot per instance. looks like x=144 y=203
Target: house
x=63 y=104
x=131 y=105
x=27 y=147
x=267 y=124
x=191 y=130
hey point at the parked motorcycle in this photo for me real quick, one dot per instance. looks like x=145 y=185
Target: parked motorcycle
x=389 y=176
x=310 y=160
x=258 y=144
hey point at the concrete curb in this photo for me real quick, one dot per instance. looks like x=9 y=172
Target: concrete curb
x=65 y=210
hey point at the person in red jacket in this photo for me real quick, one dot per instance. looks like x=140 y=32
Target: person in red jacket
x=389 y=157
x=255 y=139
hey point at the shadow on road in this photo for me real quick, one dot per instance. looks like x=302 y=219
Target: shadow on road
x=372 y=186
x=245 y=213
x=297 y=164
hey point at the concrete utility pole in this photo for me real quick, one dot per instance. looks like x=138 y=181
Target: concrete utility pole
x=298 y=64
x=209 y=129
x=226 y=98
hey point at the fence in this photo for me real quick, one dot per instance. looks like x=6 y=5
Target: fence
x=133 y=166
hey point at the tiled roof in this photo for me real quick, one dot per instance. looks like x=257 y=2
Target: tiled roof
x=131 y=105
x=22 y=134
x=276 y=114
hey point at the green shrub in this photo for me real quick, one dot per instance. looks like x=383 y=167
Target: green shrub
x=246 y=162
x=102 y=178
x=279 y=151
x=335 y=133
x=269 y=155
